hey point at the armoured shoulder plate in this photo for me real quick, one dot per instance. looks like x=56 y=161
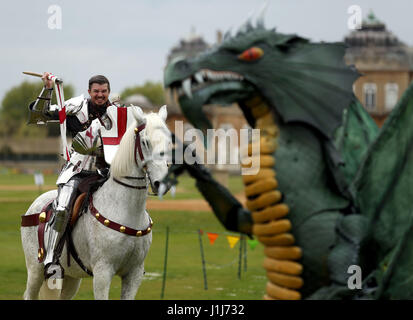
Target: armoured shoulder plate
x=74 y=105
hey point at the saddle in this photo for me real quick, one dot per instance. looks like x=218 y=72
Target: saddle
x=89 y=184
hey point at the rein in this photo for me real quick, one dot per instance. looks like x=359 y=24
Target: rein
x=128 y=185
x=133 y=187
x=138 y=147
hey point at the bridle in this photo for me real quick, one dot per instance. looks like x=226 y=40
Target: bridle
x=142 y=165
x=141 y=159
x=138 y=146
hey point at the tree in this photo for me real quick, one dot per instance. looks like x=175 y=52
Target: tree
x=14 y=111
x=151 y=90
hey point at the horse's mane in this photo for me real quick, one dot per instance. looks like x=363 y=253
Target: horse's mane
x=124 y=158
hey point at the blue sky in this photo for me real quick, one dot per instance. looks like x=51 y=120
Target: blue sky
x=128 y=41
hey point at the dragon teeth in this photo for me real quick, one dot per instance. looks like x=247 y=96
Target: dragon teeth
x=217 y=75
x=175 y=93
x=170 y=93
x=198 y=76
x=186 y=86
x=211 y=75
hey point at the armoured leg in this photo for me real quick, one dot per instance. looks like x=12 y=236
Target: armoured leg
x=61 y=208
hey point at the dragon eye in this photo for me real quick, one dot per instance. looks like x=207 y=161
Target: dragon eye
x=251 y=54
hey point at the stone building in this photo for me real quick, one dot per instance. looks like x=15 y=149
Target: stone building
x=386 y=65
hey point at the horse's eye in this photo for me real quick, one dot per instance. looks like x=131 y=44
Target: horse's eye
x=251 y=54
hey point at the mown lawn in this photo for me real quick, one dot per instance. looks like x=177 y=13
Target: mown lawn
x=184 y=277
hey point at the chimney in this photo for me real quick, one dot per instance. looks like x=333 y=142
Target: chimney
x=219 y=36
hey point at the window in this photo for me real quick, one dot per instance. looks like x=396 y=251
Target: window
x=369 y=93
x=392 y=95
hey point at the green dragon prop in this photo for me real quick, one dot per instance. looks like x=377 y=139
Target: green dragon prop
x=345 y=187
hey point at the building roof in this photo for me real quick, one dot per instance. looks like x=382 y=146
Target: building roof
x=188 y=47
x=374 y=43
x=373 y=33
x=50 y=145
x=139 y=100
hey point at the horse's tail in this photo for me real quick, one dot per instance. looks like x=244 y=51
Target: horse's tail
x=46 y=293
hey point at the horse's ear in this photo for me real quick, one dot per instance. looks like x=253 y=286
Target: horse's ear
x=138 y=114
x=163 y=113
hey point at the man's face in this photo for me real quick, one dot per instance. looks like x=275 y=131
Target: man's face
x=99 y=93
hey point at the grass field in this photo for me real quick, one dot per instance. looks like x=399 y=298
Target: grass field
x=184 y=277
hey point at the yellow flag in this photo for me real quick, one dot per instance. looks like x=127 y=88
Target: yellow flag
x=232 y=240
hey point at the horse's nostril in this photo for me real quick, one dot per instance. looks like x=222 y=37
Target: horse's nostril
x=156 y=184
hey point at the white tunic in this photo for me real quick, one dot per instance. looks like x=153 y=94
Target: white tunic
x=78 y=106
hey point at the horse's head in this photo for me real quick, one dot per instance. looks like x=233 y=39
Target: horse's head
x=145 y=144
x=155 y=140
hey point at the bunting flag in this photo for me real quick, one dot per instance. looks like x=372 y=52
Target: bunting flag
x=252 y=243
x=212 y=237
x=232 y=240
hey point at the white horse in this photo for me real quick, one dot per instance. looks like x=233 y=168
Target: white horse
x=122 y=200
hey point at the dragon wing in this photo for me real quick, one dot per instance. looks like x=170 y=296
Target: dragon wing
x=384 y=194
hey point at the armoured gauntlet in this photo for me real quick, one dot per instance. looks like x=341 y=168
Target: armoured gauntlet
x=39 y=109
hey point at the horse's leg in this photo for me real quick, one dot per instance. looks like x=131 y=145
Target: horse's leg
x=35 y=279
x=70 y=288
x=102 y=277
x=131 y=283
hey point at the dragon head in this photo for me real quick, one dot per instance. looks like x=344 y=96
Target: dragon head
x=299 y=80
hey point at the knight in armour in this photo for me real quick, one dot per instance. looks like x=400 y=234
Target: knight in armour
x=84 y=118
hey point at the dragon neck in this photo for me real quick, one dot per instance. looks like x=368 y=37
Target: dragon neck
x=271 y=224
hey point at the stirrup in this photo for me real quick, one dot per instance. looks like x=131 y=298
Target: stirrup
x=53 y=269
x=103 y=172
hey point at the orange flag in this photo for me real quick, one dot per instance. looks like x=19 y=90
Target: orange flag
x=212 y=237
x=232 y=240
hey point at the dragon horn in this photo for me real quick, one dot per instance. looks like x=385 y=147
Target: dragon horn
x=247 y=25
x=261 y=14
x=227 y=34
